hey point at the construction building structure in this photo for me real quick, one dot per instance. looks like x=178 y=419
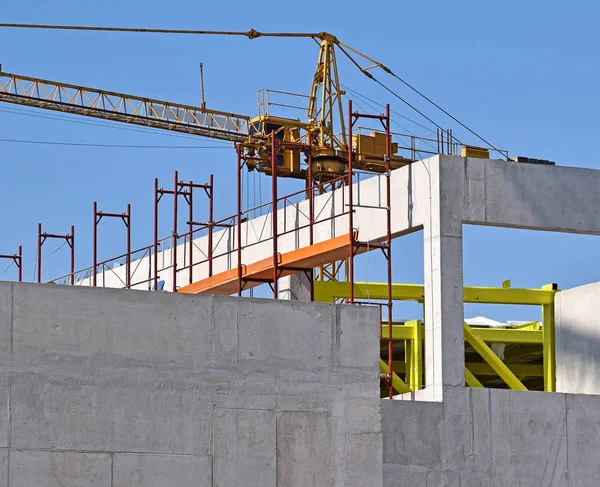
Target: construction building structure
x=192 y=386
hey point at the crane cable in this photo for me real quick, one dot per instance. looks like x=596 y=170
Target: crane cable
x=406 y=83
x=111 y=146
x=250 y=34
x=361 y=95
x=9 y=266
x=370 y=76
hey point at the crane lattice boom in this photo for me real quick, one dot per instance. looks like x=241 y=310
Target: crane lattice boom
x=91 y=102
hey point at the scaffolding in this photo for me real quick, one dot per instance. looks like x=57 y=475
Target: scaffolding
x=69 y=239
x=386 y=245
x=126 y=218
x=17 y=260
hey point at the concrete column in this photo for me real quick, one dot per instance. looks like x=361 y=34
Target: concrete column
x=577 y=325
x=444 y=315
x=295 y=287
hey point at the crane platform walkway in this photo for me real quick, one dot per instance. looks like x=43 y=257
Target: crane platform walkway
x=257 y=273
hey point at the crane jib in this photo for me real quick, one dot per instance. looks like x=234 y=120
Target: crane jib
x=120 y=107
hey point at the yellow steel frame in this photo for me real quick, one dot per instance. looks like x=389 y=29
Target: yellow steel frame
x=491 y=358
x=478 y=337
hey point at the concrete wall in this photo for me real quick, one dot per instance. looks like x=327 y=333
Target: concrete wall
x=116 y=388
x=492 y=437
x=577 y=324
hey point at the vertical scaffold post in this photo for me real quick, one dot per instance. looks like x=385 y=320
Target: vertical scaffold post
x=211 y=223
x=127 y=221
x=20 y=263
x=388 y=176
x=71 y=243
x=238 y=230
x=350 y=203
x=39 y=254
x=190 y=232
x=95 y=246
x=157 y=196
x=274 y=213
x=174 y=250
x=311 y=209
x=187 y=191
x=311 y=191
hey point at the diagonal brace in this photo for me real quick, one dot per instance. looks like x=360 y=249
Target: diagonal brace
x=492 y=359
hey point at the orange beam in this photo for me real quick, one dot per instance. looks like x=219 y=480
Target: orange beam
x=225 y=283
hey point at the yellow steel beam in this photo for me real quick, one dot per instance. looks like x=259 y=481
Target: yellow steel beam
x=491 y=358
x=533 y=325
x=408 y=351
x=413 y=351
x=416 y=375
x=508 y=335
x=549 y=346
x=471 y=380
x=488 y=335
x=397 y=383
x=400 y=332
x=484 y=369
x=523 y=370
x=327 y=291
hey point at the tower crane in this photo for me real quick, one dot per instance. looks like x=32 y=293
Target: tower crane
x=324 y=125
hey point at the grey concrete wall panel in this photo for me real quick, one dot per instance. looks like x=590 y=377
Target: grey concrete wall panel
x=245 y=447
x=577 y=325
x=528 y=441
x=109 y=416
x=271 y=343
x=5 y=415
x=59 y=469
x=4 y=461
x=152 y=389
x=494 y=438
x=6 y=316
x=304 y=444
x=358 y=454
x=419 y=442
x=356 y=329
x=583 y=439
x=135 y=470
x=139 y=328
x=225 y=343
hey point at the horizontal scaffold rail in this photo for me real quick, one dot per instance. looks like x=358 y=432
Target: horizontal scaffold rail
x=119 y=107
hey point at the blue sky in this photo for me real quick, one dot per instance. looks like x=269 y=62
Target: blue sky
x=523 y=74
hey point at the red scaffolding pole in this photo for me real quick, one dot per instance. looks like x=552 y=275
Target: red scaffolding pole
x=185 y=189
x=126 y=218
x=386 y=245
x=158 y=194
x=17 y=260
x=194 y=227
x=69 y=239
x=271 y=160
